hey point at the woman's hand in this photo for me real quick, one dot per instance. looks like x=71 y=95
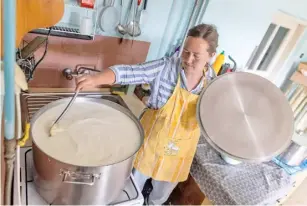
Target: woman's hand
x=107 y=77
x=87 y=81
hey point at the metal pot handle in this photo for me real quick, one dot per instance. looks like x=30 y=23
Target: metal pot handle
x=79 y=178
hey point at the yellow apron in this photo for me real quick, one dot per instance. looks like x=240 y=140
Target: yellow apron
x=171 y=137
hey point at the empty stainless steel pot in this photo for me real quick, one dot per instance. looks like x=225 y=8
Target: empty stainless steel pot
x=296 y=153
x=61 y=183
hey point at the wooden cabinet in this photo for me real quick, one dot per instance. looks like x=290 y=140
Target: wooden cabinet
x=188 y=193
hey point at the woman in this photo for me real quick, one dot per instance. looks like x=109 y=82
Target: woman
x=170 y=125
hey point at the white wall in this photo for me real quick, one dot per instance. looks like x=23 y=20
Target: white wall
x=165 y=23
x=242 y=23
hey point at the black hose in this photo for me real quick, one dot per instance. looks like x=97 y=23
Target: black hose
x=41 y=59
x=234 y=63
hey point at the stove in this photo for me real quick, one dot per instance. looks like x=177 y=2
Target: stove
x=131 y=194
x=30 y=104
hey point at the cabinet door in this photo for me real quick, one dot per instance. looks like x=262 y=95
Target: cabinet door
x=188 y=193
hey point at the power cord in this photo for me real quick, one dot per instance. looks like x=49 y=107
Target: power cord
x=41 y=59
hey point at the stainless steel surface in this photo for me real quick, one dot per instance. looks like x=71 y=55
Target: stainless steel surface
x=69 y=74
x=133 y=27
x=294 y=155
x=61 y=183
x=245 y=117
x=112 y=21
x=130 y=195
x=32 y=102
x=122 y=27
x=80 y=185
x=48 y=180
x=65 y=110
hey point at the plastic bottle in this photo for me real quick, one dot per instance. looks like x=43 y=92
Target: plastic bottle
x=218 y=62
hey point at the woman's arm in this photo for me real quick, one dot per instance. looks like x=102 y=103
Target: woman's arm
x=143 y=73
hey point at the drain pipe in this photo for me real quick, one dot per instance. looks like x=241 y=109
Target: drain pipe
x=189 y=25
x=9 y=30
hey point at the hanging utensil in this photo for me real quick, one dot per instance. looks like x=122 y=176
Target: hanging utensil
x=133 y=27
x=143 y=15
x=54 y=128
x=109 y=18
x=121 y=27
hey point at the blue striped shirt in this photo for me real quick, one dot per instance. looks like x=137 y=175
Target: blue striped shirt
x=161 y=75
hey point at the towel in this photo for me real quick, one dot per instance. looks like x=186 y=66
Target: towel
x=291 y=170
x=20 y=78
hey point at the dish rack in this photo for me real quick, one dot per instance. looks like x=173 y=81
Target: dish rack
x=65 y=28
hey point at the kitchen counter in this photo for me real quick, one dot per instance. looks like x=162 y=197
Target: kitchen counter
x=134 y=104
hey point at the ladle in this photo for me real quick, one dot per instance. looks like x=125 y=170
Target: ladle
x=55 y=128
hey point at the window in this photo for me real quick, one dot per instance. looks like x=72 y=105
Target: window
x=273 y=48
x=277 y=43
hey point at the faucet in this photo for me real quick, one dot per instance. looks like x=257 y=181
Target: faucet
x=79 y=70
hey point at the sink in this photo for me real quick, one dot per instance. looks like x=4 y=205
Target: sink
x=32 y=102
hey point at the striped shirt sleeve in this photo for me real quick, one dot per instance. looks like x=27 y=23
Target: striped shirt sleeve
x=143 y=73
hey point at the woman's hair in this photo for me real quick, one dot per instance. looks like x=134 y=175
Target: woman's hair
x=208 y=33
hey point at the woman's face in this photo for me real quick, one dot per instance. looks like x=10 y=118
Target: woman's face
x=195 y=54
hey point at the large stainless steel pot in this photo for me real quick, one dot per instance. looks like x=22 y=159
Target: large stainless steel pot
x=61 y=183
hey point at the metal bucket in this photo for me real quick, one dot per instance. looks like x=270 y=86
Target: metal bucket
x=294 y=155
x=62 y=183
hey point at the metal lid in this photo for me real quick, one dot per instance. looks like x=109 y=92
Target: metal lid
x=245 y=117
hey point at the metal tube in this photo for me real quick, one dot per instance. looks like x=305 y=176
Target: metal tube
x=202 y=11
x=188 y=27
x=9 y=30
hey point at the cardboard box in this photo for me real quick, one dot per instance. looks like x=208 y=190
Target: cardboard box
x=299 y=78
x=302 y=68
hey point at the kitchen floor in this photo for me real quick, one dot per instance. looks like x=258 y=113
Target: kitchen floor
x=299 y=196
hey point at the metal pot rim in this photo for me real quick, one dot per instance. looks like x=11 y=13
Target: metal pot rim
x=220 y=150
x=91 y=100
